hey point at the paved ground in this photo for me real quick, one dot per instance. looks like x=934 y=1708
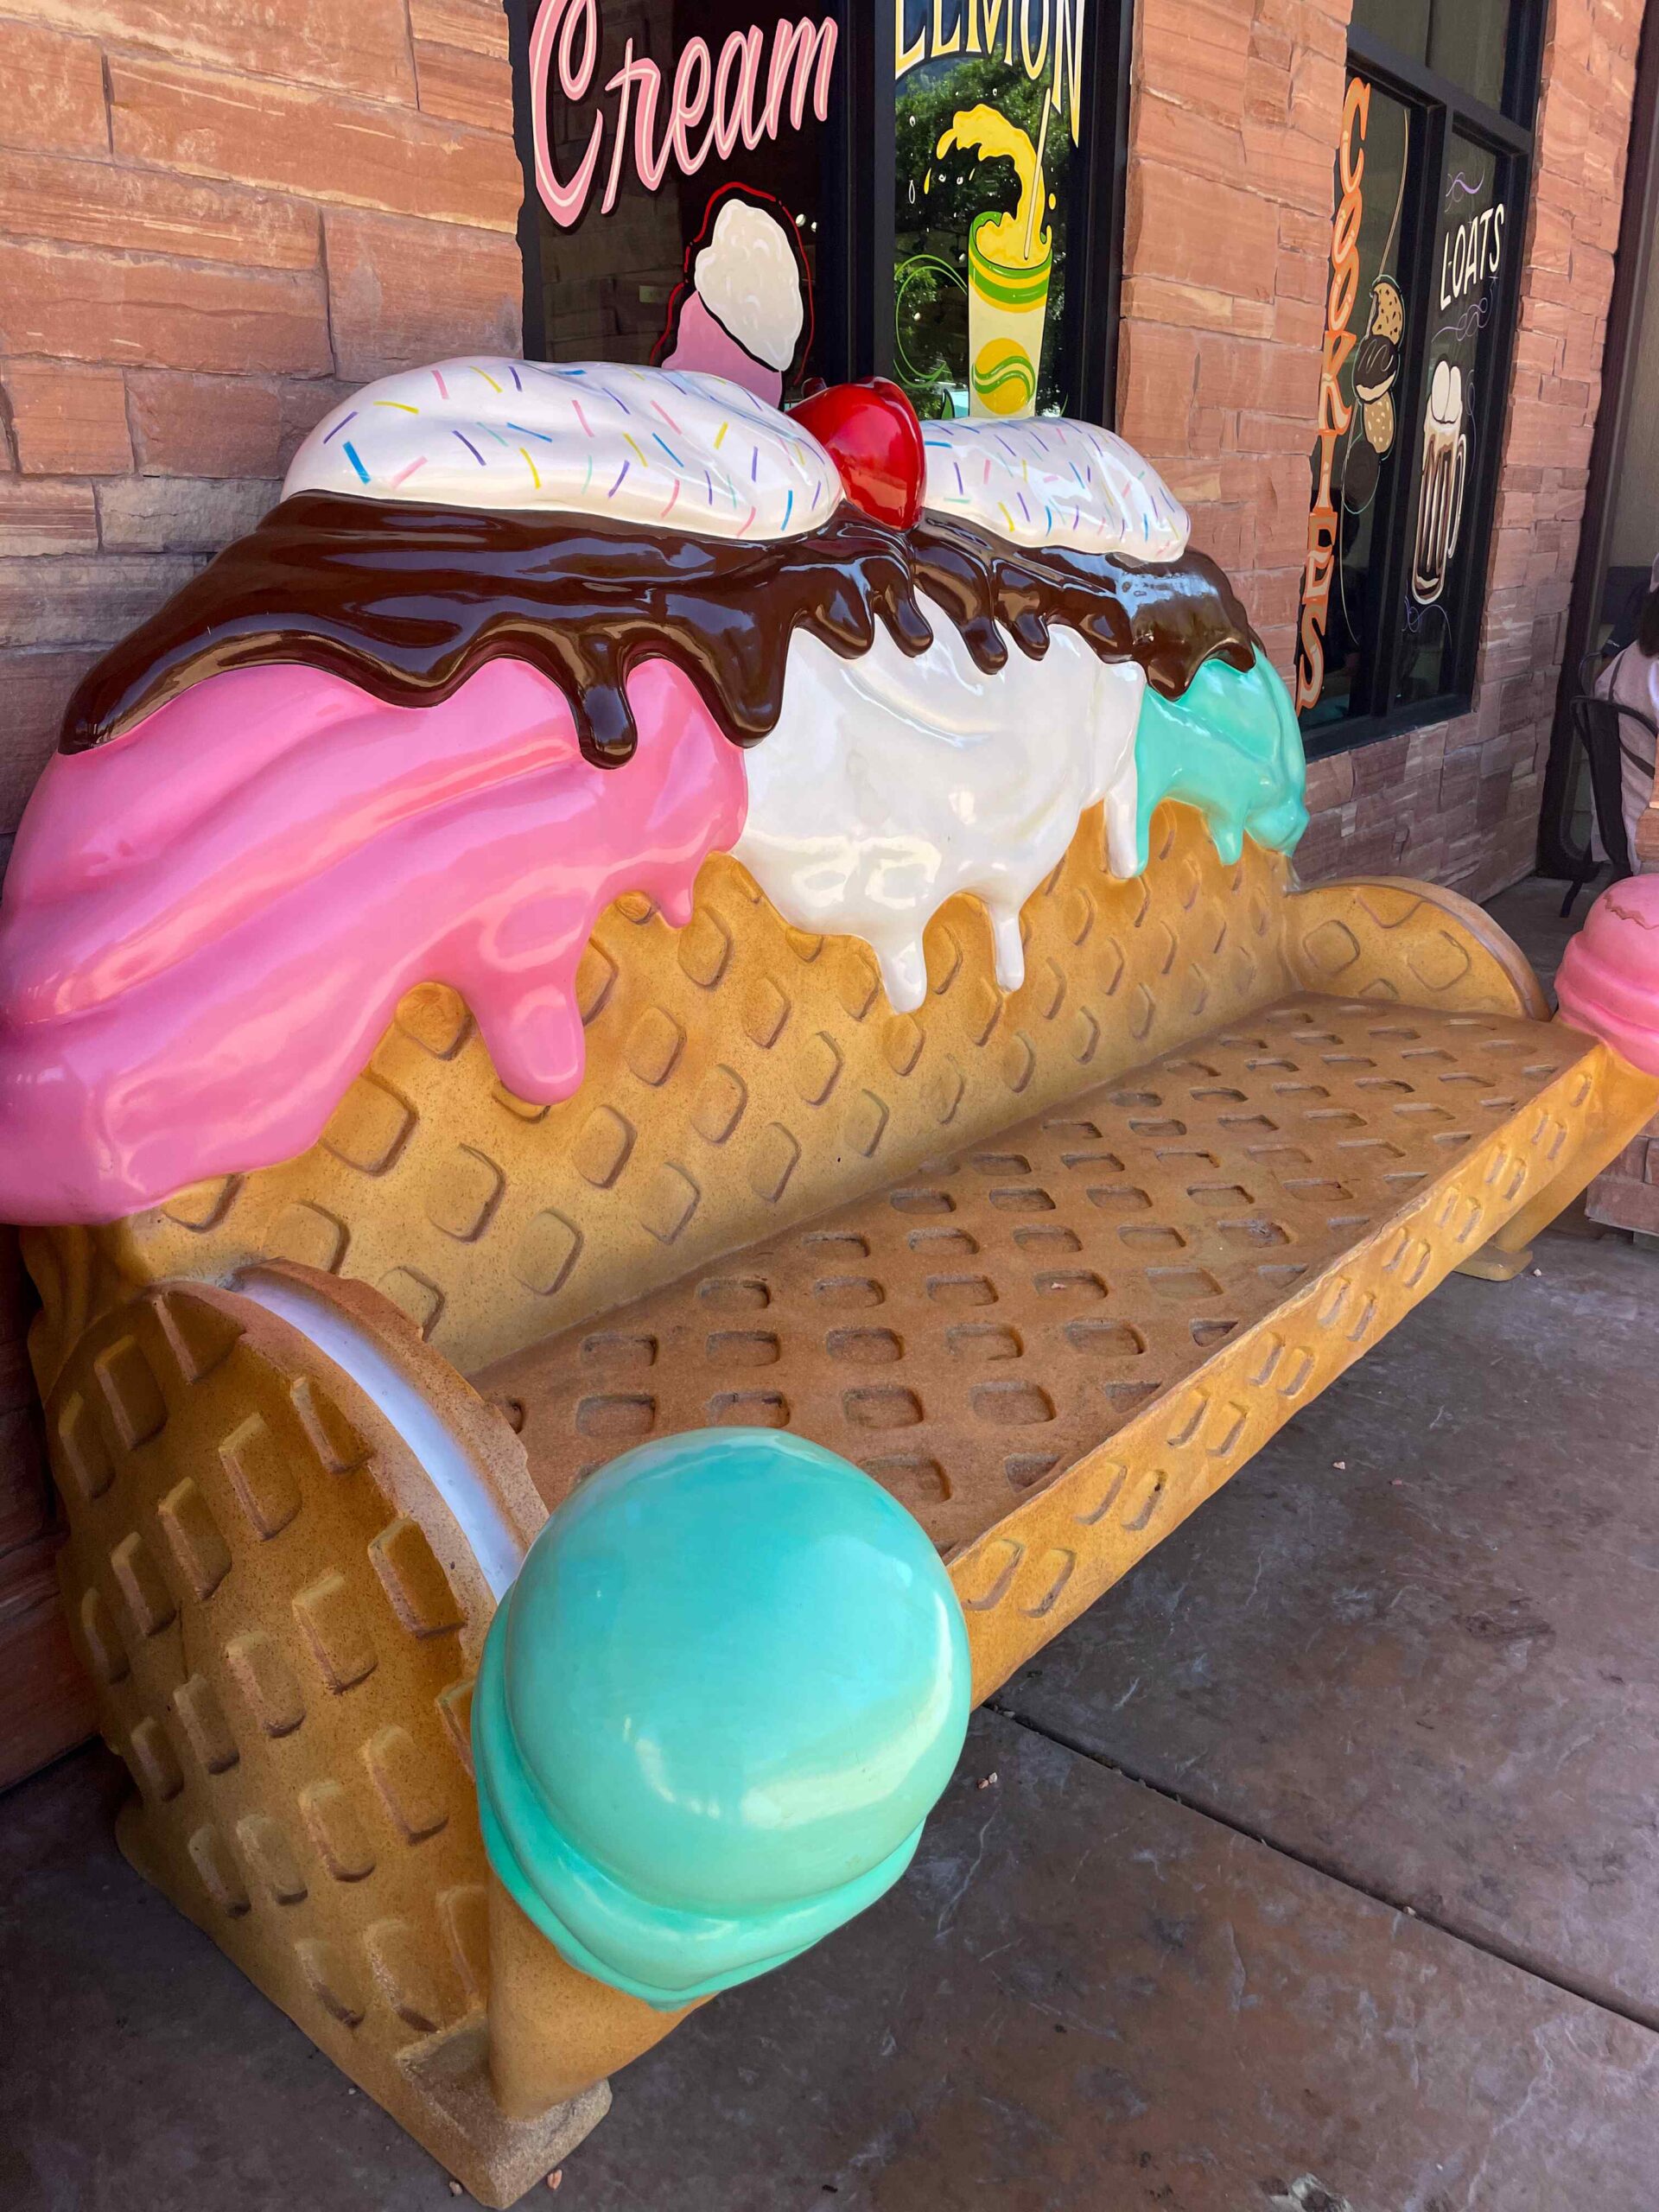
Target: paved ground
x=1314 y=1866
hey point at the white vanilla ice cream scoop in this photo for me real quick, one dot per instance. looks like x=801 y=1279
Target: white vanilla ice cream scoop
x=890 y=784
x=749 y=280
x=1051 y=482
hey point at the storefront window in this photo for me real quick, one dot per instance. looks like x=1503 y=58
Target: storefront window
x=1462 y=412
x=1427 y=199
x=1357 y=452
x=944 y=178
x=1467 y=40
x=638 y=121
x=989 y=142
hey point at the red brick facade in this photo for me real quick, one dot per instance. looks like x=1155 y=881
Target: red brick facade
x=214 y=219
x=1232 y=135
x=1626 y=1195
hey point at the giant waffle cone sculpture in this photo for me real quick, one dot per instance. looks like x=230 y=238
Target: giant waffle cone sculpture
x=282 y=1619
x=1044 y=1209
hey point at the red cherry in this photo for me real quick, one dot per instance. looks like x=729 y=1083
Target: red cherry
x=873 y=434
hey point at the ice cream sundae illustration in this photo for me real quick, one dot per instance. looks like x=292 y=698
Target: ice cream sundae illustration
x=743 y=308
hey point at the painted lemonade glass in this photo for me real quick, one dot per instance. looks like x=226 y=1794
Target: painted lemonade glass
x=1007 y=306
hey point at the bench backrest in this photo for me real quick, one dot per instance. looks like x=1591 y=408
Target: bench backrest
x=741 y=1076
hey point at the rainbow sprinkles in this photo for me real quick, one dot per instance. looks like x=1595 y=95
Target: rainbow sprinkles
x=1050 y=481
x=633 y=445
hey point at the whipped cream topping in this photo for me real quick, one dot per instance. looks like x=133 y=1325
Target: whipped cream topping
x=748 y=279
x=1051 y=482
x=678 y=449
x=891 y=784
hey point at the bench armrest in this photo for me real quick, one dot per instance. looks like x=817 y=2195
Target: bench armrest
x=1389 y=938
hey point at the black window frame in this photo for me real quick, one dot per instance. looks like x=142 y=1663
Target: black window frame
x=1443 y=110
x=854 y=313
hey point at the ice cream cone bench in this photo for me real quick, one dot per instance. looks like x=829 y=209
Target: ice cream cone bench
x=671 y=1092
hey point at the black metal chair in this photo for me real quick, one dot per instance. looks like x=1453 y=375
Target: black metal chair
x=1599 y=726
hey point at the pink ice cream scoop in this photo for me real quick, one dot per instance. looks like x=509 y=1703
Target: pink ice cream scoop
x=209 y=920
x=703 y=342
x=1609 y=979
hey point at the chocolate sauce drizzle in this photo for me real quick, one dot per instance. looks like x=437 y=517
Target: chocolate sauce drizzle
x=1171 y=617
x=408 y=601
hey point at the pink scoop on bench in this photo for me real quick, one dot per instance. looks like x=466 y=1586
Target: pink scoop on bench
x=1609 y=979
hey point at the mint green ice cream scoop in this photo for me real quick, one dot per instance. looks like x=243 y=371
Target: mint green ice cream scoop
x=714 y=1709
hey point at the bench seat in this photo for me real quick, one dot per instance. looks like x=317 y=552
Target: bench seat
x=1052 y=1346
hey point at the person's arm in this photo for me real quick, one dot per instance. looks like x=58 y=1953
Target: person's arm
x=1644 y=835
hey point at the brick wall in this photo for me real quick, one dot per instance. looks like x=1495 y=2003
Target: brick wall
x=213 y=219
x=1626 y=1195
x=1233 y=135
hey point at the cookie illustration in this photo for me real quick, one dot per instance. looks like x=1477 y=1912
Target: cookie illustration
x=1376 y=363
x=1359 y=475
x=1387 y=310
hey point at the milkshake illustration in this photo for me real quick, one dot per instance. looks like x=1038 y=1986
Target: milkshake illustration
x=1439 y=492
x=1009 y=261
